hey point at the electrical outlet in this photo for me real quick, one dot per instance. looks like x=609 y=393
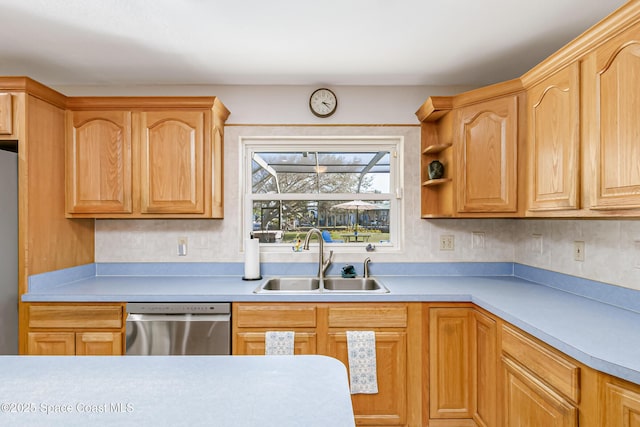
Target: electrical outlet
x=182 y=246
x=447 y=242
x=578 y=250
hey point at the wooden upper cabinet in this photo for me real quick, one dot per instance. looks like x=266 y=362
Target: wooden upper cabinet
x=554 y=141
x=172 y=162
x=98 y=162
x=486 y=143
x=6 y=114
x=145 y=157
x=436 y=140
x=611 y=109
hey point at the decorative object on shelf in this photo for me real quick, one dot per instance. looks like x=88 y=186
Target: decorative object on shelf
x=323 y=102
x=370 y=248
x=436 y=170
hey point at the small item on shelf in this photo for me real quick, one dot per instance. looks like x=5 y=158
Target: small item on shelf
x=348 y=271
x=298 y=246
x=436 y=170
x=370 y=248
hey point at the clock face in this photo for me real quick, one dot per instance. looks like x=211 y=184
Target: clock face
x=323 y=102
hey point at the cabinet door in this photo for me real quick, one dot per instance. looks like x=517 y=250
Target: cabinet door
x=450 y=380
x=486 y=152
x=253 y=343
x=6 y=114
x=51 y=343
x=554 y=141
x=98 y=344
x=172 y=162
x=485 y=370
x=530 y=402
x=621 y=407
x=611 y=110
x=98 y=166
x=389 y=405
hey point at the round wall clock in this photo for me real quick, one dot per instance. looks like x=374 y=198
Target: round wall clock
x=323 y=102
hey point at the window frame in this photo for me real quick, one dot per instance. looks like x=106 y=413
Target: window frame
x=351 y=144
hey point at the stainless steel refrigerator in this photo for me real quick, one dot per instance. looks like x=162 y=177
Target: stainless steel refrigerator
x=8 y=248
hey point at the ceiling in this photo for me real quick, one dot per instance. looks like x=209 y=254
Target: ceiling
x=286 y=42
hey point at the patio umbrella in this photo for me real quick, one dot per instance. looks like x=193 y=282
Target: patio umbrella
x=356 y=205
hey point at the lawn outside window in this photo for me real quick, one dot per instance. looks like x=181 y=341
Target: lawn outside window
x=348 y=187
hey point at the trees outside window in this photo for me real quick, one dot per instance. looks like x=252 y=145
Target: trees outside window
x=294 y=184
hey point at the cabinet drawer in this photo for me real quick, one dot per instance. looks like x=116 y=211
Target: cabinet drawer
x=368 y=316
x=549 y=366
x=273 y=315
x=253 y=343
x=75 y=316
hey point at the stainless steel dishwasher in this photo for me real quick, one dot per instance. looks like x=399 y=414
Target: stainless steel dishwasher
x=178 y=328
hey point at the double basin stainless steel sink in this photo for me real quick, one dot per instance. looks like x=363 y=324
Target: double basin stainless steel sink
x=312 y=285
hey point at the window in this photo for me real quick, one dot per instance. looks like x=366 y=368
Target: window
x=347 y=187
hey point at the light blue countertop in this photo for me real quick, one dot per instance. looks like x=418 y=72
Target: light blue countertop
x=595 y=323
x=238 y=391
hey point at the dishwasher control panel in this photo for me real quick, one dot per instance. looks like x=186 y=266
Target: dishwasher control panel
x=179 y=308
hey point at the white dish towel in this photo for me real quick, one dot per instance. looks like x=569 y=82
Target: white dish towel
x=361 y=346
x=279 y=343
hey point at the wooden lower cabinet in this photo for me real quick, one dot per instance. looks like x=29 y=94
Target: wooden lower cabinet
x=390 y=323
x=98 y=343
x=450 y=381
x=67 y=329
x=321 y=329
x=463 y=367
x=252 y=321
x=389 y=405
x=51 y=343
x=438 y=365
x=620 y=403
x=484 y=353
x=530 y=402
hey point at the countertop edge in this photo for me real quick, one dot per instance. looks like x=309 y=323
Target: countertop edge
x=238 y=291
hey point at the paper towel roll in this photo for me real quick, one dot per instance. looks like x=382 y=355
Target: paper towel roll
x=251 y=259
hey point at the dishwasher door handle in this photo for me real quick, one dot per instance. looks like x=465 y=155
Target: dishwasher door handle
x=137 y=317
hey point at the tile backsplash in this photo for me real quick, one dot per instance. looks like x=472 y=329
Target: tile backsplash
x=611 y=254
x=612 y=248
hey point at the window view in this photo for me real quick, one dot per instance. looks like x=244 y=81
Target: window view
x=344 y=191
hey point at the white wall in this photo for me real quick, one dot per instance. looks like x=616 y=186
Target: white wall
x=290 y=104
x=612 y=254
